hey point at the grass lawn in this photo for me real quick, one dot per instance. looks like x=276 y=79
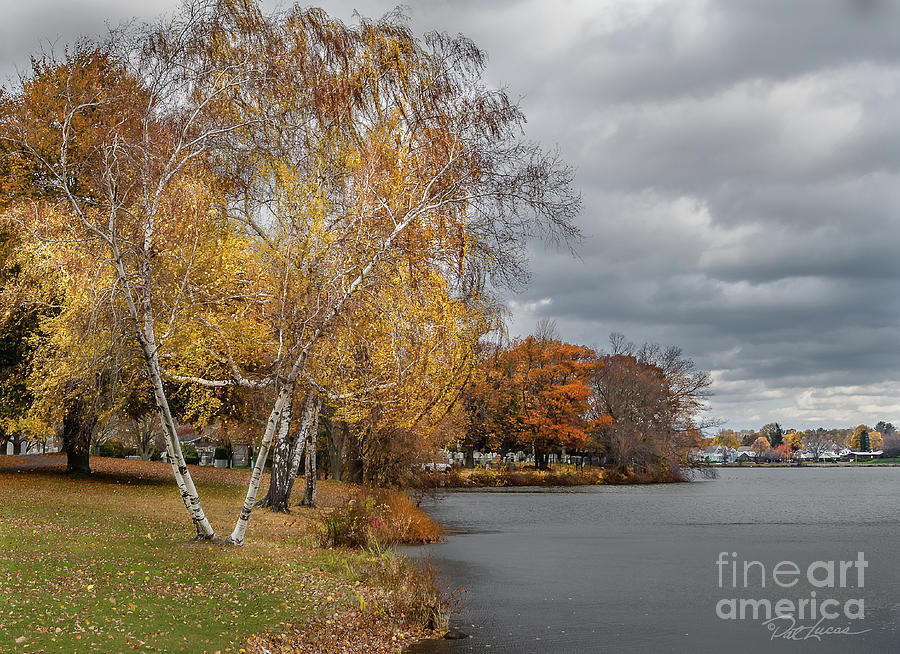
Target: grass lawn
x=889 y=459
x=106 y=564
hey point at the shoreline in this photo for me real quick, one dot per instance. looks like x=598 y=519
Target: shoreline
x=477 y=478
x=561 y=476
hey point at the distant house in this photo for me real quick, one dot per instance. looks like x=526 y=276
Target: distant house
x=744 y=453
x=831 y=454
x=219 y=434
x=866 y=455
x=716 y=454
x=204 y=446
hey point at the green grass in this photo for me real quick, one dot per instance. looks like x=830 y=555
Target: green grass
x=893 y=459
x=107 y=565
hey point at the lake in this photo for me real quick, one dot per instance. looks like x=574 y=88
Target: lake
x=634 y=568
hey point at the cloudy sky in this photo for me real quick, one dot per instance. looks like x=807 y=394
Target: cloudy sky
x=740 y=167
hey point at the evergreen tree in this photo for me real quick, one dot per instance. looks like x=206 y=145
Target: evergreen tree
x=773 y=433
x=864 y=445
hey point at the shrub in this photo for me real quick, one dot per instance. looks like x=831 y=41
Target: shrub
x=496 y=478
x=190 y=453
x=372 y=520
x=220 y=453
x=488 y=477
x=402 y=521
x=348 y=525
x=408 y=590
x=401 y=593
x=111 y=448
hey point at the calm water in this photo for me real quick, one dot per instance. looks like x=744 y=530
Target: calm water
x=633 y=569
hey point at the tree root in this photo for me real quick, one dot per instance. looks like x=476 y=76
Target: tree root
x=209 y=539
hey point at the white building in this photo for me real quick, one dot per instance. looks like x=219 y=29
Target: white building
x=717 y=454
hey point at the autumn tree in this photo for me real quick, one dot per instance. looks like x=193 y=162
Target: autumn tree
x=114 y=140
x=533 y=394
x=761 y=446
x=794 y=439
x=68 y=365
x=372 y=151
x=783 y=452
x=876 y=441
x=391 y=374
x=633 y=394
x=84 y=371
x=553 y=384
x=25 y=300
x=491 y=416
x=247 y=181
x=772 y=432
x=654 y=399
x=816 y=442
x=728 y=438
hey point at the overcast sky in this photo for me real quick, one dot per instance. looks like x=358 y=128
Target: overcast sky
x=740 y=167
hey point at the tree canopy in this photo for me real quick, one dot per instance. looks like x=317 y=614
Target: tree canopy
x=241 y=200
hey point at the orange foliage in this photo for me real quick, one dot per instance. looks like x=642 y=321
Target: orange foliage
x=535 y=394
x=784 y=452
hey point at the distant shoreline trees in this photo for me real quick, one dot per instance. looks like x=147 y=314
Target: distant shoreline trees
x=637 y=408
x=814 y=441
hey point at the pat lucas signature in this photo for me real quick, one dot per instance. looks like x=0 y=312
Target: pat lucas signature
x=786 y=628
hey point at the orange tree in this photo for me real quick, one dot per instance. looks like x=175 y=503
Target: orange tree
x=533 y=394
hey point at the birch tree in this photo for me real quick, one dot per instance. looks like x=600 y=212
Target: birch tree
x=289 y=453
x=375 y=150
x=114 y=137
x=322 y=157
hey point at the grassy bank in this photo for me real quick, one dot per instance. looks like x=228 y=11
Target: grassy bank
x=559 y=475
x=107 y=564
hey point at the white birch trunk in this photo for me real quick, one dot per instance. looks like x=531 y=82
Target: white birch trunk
x=281 y=459
x=183 y=478
x=309 y=409
x=280 y=487
x=146 y=335
x=237 y=535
